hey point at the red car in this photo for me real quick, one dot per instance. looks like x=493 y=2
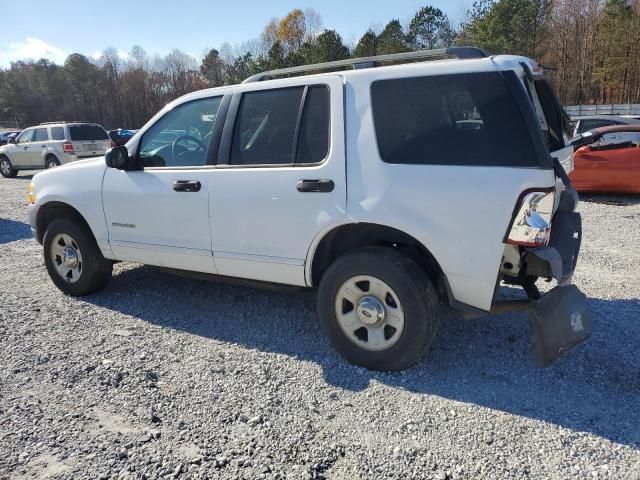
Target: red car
x=611 y=168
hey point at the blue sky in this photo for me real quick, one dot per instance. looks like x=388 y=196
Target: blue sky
x=44 y=28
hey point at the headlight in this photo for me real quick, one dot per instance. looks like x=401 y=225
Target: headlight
x=31 y=196
x=531 y=224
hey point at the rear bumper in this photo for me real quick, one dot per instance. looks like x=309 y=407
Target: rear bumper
x=560 y=319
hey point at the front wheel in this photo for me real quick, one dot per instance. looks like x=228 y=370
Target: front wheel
x=74 y=261
x=6 y=168
x=378 y=308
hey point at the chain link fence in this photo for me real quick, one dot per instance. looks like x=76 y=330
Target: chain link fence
x=610 y=109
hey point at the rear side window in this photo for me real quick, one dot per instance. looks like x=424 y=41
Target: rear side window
x=57 y=133
x=266 y=127
x=87 y=132
x=459 y=119
x=41 y=135
x=313 y=138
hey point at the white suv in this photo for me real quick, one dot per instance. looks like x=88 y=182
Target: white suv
x=51 y=144
x=400 y=192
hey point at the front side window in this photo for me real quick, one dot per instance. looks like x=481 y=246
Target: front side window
x=41 y=135
x=458 y=119
x=25 y=137
x=181 y=137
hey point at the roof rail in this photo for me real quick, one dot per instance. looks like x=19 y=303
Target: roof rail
x=462 y=53
x=68 y=121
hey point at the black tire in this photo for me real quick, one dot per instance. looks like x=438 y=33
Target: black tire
x=6 y=168
x=96 y=270
x=420 y=305
x=51 y=161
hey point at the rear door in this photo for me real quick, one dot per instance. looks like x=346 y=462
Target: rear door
x=38 y=147
x=280 y=178
x=89 y=140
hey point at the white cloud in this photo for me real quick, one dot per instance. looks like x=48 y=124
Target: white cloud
x=34 y=49
x=96 y=55
x=123 y=55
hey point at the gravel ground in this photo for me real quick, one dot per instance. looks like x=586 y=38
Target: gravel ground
x=159 y=376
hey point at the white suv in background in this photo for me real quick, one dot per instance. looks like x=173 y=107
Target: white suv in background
x=399 y=192
x=51 y=144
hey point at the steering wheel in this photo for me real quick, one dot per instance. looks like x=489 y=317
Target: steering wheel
x=190 y=138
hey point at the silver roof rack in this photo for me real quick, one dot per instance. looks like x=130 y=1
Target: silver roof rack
x=462 y=53
x=67 y=121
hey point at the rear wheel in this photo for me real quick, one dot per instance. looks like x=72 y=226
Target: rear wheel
x=378 y=308
x=6 y=169
x=51 y=162
x=74 y=261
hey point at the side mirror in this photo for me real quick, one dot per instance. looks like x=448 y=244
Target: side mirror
x=12 y=140
x=117 y=157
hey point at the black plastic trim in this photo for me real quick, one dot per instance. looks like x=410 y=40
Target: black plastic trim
x=224 y=152
x=216 y=135
x=529 y=116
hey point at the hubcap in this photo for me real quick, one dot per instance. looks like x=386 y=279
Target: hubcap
x=370 y=310
x=52 y=164
x=66 y=257
x=4 y=166
x=369 y=313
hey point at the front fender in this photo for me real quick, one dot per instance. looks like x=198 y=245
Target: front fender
x=79 y=186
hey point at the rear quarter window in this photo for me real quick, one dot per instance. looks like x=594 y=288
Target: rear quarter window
x=57 y=133
x=87 y=132
x=458 y=119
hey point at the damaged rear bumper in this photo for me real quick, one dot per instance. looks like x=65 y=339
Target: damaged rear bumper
x=560 y=319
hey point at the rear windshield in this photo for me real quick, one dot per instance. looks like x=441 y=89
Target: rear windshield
x=87 y=132
x=458 y=119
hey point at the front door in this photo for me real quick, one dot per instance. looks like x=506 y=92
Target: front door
x=280 y=178
x=20 y=153
x=160 y=215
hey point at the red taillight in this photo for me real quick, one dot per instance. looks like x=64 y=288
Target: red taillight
x=531 y=223
x=68 y=148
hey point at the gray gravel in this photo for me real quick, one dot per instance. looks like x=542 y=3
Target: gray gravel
x=159 y=376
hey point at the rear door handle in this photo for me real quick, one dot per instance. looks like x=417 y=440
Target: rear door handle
x=323 y=186
x=187 y=186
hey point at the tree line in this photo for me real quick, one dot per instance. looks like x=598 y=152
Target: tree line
x=589 y=48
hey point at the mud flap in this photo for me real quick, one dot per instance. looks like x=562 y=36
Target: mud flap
x=560 y=320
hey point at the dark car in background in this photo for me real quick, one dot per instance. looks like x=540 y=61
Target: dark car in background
x=121 y=136
x=4 y=136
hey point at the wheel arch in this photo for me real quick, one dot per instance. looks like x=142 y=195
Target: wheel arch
x=57 y=209
x=351 y=236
